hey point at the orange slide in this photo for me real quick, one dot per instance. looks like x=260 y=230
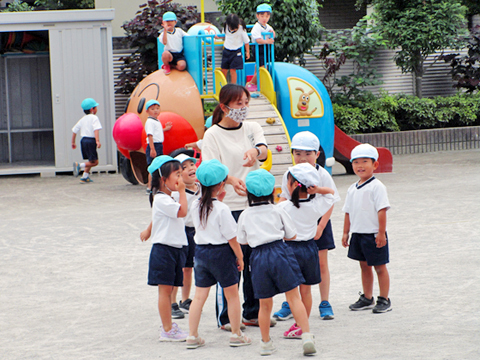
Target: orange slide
x=343 y=146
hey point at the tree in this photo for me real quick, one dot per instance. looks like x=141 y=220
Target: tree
x=295 y=23
x=65 y=4
x=417 y=29
x=18 y=5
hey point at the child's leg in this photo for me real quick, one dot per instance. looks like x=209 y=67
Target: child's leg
x=254 y=77
x=174 y=294
x=149 y=183
x=234 y=310
x=225 y=72
x=383 y=280
x=233 y=76
x=181 y=65
x=298 y=309
x=89 y=164
x=266 y=306
x=325 y=274
x=201 y=295
x=306 y=294
x=187 y=282
x=165 y=306
x=367 y=279
x=167 y=57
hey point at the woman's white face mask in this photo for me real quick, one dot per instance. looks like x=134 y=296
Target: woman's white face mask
x=238 y=115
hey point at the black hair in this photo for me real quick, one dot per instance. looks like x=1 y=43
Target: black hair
x=252 y=199
x=232 y=22
x=87 y=112
x=229 y=93
x=206 y=202
x=167 y=169
x=295 y=195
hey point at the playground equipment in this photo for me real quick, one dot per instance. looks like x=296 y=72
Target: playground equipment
x=290 y=99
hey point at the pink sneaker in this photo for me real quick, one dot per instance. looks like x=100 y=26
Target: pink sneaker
x=294 y=332
x=175 y=334
x=166 y=69
x=251 y=87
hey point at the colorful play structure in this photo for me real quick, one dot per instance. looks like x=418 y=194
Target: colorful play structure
x=290 y=99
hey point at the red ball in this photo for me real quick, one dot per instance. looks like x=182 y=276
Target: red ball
x=127 y=132
x=181 y=133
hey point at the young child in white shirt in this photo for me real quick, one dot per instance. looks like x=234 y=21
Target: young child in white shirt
x=172 y=38
x=235 y=37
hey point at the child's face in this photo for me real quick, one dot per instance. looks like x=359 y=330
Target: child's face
x=93 y=110
x=305 y=156
x=188 y=172
x=173 y=180
x=154 y=110
x=170 y=24
x=364 y=168
x=263 y=18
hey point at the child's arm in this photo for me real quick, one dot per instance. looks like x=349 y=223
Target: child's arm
x=145 y=234
x=238 y=185
x=264 y=41
x=238 y=252
x=293 y=238
x=323 y=222
x=153 y=152
x=165 y=27
x=168 y=126
x=346 y=230
x=97 y=138
x=182 y=212
x=381 y=238
x=74 y=136
x=322 y=190
x=247 y=51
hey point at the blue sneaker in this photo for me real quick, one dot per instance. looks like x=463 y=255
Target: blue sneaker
x=284 y=313
x=326 y=311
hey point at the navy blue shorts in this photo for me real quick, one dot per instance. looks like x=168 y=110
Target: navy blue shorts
x=89 y=148
x=306 y=253
x=215 y=263
x=232 y=59
x=190 y=231
x=275 y=270
x=177 y=57
x=363 y=248
x=166 y=265
x=326 y=241
x=158 y=148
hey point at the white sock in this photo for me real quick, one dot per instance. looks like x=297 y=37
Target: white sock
x=85 y=175
x=82 y=166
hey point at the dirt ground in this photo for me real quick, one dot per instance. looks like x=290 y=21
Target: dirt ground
x=73 y=272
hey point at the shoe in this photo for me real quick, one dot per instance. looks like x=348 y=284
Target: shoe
x=176 y=312
x=251 y=87
x=363 y=303
x=185 y=305
x=194 y=342
x=308 y=344
x=326 y=311
x=254 y=322
x=284 y=313
x=148 y=191
x=228 y=327
x=242 y=340
x=166 y=69
x=295 y=332
x=76 y=169
x=175 y=334
x=383 y=305
x=267 y=348
x=85 y=180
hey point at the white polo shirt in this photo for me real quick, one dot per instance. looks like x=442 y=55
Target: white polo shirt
x=87 y=125
x=174 y=40
x=258 y=29
x=363 y=204
x=263 y=224
x=154 y=127
x=235 y=40
x=167 y=227
x=191 y=197
x=305 y=218
x=219 y=228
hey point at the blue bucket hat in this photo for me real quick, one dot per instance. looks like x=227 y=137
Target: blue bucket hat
x=260 y=182
x=150 y=103
x=169 y=16
x=88 y=104
x=158 y=162
x=208 y=122
x=264 y=8
x=211 y=172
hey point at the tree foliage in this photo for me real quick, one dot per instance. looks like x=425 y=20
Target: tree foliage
x=295 y=23
x=65 y=4
x=18 y=5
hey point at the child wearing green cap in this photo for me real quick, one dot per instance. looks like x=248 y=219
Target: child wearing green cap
x=172 y=38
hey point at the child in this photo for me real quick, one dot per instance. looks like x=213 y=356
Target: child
x=192 y=189
x=172 y=38
x=305 y=147
x=235 y=37
x=305 y=208
x=264 y=11
x=169 y=248
x=218 y=256
x=273 y=264
x=89 y=127
x=155 y=137
x=365 y=210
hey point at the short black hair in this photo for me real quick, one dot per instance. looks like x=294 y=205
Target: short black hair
x=256 y=199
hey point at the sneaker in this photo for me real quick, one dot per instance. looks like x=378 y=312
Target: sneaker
x=166 y=69
x=85 y=180
x=228 y=327
x=242 y=340
x=194 y=342
x=251 y=87
x=363 y=303
x=383 y=305
x=76 y=169
x=176 y=312
x=185 y=305
x=284 y=313
x=295 y=332
x=308 y=344
x=326 y=311
x=148 y=191
x=254 y=322
x=175 y=334
x=267 y=348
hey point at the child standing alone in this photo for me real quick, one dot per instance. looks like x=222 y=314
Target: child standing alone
x=235 y=37
x=89 y=127
x=365 y=210
x=172 y=38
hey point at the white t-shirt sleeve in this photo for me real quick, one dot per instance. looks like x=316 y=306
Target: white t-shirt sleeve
x=210 y=149
x=348 y=201
x=380 y=198
x=168 y=206
x=288 y=224
x=149 y=127
x=285 y=193
x=96 y=123
x=245 y=37
x=77 y=127
x=228 y=226
x=258 y=135
x=241 y=234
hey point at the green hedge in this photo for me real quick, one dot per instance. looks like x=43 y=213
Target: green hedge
x=406 y=112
